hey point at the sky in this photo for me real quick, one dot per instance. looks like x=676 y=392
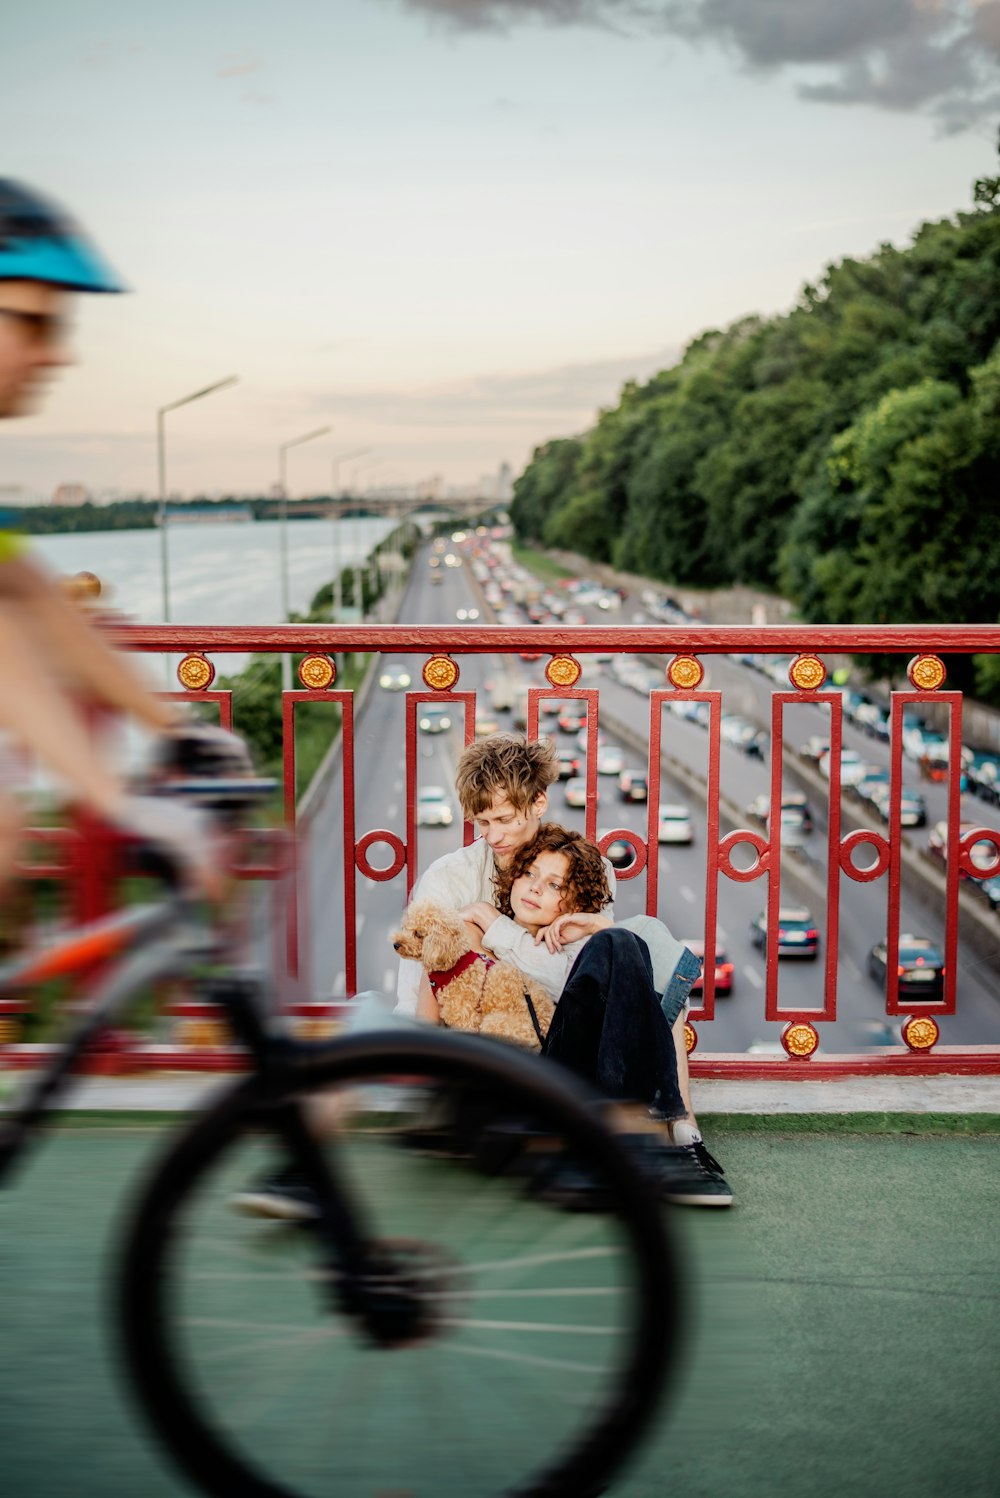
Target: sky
x=451 y=229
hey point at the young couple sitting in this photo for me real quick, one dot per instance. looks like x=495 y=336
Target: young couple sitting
x=538 y=896
x=541 y=898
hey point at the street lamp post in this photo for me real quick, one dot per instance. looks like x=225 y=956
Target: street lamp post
x=286 y=659
x=161 y=466
x=335 y=591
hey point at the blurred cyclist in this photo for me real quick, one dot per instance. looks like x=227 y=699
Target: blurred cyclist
x=49 y=651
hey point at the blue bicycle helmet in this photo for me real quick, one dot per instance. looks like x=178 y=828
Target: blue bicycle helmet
x=38 y=242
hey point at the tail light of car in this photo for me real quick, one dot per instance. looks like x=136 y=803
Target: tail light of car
x=723 y=970
x=812 y=934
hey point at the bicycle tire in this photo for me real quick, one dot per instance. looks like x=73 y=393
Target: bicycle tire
x=153 y=1292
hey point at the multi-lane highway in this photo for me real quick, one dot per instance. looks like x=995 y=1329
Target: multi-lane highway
x=739 y=1023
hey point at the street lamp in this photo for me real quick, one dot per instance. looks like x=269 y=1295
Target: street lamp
x=282 y=450
x=161 y=465
x=335 y=595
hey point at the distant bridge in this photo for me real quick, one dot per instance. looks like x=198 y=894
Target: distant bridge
x=393 y=507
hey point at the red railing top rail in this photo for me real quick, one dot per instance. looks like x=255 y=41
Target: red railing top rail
x=701 y=639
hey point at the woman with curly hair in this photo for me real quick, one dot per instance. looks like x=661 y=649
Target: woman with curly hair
x=609 y=1025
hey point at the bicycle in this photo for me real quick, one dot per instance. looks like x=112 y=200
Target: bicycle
x=435 y=1294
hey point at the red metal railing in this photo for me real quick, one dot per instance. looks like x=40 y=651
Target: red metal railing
x=681 y=651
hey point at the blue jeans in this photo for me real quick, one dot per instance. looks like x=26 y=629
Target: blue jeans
x=610 y=1028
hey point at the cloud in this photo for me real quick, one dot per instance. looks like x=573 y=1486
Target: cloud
x=937 y=56
x=567 y=395
x=238 y=67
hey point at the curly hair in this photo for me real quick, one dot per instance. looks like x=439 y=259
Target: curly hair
x=586 y=878
x=504 y=764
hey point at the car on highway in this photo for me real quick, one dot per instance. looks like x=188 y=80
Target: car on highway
x=797 y=935
x=674 y=824
x=852 y=766
x=723 y=967
x=619 y=853
x=433 y=808
x=434 y=717
x=575 y=792
x=920 y=967
x=796 y=813
x=633 y=785
x=394 y=677
x=486 y=727
x=610 y=760
x=572 y=719
x=466 y=616
x=912 y=807
x=569 y=763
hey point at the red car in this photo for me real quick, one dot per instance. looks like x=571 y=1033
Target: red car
x=723 y=969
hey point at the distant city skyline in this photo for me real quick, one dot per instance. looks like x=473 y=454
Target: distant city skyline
x=452 y=229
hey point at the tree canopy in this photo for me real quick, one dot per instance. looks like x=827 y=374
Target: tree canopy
x=846 y=453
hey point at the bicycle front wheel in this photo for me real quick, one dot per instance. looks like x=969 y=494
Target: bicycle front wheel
x=528 y=1339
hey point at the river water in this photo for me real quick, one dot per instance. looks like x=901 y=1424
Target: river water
x=220 y=573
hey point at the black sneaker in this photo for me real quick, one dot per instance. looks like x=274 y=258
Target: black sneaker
x=283 y=1196
x=691 y=1177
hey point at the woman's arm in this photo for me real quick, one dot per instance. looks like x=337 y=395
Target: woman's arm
x=428 y=1008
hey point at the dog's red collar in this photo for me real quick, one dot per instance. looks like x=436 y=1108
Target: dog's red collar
x=442 y=979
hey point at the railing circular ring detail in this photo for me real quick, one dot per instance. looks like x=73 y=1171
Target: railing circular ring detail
x=858 y=839
x=731 y=841
x=967 y=842
x=624 y=835
x=690 y=1037
x=391 y=841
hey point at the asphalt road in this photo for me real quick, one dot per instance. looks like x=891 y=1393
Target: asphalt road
x=739 y=1023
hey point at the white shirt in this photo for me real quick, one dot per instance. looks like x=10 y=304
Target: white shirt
x=464 y=878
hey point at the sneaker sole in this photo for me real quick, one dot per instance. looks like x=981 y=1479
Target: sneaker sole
x=252 y=1204
x=695 y=1199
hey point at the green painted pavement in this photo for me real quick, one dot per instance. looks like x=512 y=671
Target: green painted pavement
x=847 y=1314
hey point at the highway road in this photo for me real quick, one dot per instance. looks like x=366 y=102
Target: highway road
x=739 y=1023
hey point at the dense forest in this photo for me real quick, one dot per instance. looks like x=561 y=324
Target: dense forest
x=846 y=454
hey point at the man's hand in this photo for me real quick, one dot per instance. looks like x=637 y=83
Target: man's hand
x=572 y=927
x=479 y=914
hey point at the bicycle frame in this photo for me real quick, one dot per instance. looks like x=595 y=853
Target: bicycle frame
x=153 y=943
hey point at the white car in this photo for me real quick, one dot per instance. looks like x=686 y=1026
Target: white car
x=852 y=766
x=394 y=678
x=576 y=792
x=674 y=824
x=610 y=760
x=433 y=809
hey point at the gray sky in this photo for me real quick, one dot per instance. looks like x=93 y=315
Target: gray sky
x=452 y=228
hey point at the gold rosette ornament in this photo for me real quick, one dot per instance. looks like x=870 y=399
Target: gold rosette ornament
x=317 y=672
x=926 y=672
x=195 y=673
x=807 y=673
x=800 y=1039
x=563 y=671
x=686 y=673
x=920 y=1032
x=440 y=673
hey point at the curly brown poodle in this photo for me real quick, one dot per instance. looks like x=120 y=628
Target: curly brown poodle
x=482 y=994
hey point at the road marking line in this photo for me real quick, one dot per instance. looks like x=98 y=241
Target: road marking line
x=391 y=811
x=687 y=893
x=359 y=926
x=339 y=984
x=397 y=785
x=753 y=977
